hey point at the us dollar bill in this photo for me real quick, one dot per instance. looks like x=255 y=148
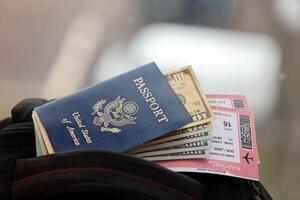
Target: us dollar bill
x=183 y=133
x=179 y=155
x=163 y=149
x=185 y=140
x=185 y=84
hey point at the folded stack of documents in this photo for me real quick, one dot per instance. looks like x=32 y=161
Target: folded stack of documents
x=192 y=140
x=116 y=115
x=233 y=150
x=165 y=118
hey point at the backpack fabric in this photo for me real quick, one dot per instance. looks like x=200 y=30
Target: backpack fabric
x=98 y=174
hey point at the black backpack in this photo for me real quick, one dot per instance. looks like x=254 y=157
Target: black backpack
x=99 y=174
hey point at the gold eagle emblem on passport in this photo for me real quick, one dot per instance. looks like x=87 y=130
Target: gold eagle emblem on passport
x=114 y=114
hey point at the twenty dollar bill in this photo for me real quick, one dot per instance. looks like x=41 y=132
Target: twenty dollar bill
x=188 y=90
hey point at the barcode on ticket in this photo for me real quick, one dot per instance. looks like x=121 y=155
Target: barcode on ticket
x=238 y=103
x=246 y=134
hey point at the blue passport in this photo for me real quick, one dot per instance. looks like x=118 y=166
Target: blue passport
x=116 y=115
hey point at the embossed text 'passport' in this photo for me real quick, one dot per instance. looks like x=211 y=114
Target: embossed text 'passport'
x=116 y=115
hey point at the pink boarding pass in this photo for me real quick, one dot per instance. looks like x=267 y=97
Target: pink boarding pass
x=233 y=150
x=228 y=101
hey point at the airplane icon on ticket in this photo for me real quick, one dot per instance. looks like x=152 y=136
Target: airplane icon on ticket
x=247 y=158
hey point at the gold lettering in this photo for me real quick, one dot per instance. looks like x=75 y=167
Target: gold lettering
x=163 y=119
x=154 y=106
x=150 y=99
x=158 y=112
x=147 y=95
x=80 y=124
x=86 y=136
x=140 y=85
x=139 y=80
x=71 y=131
x=143 y=91
x=78 y=120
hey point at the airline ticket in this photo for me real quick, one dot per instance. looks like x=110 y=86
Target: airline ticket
x=228 y=101
x=233 y=149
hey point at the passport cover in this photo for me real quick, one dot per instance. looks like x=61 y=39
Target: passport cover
x=116 y=115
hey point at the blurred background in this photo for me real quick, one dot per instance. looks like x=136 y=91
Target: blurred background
x=52 y=48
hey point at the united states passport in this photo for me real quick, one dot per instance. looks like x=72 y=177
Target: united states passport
x=116 y=115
